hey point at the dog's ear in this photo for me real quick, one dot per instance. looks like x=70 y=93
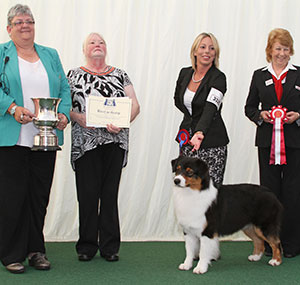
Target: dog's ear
x=204 y=174
x=174 y=164
x=205 y=180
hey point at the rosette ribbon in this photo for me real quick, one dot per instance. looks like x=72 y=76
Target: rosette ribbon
x=183 y=137
x=278 y=116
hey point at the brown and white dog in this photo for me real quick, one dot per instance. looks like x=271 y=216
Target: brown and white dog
x=205 y=213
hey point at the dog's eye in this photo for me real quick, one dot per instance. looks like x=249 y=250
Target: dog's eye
x=189 y=172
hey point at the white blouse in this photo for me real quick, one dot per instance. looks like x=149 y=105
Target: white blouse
x=35 y=83
x=188 y=98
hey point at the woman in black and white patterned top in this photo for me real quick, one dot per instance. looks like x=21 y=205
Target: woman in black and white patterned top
x=98 y=154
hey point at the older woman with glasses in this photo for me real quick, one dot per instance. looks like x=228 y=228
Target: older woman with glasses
x=28 y=70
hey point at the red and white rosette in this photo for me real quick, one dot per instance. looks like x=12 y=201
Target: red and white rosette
x=278 y=116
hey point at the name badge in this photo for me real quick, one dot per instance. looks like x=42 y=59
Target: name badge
x=269 y=82
x=215 y=96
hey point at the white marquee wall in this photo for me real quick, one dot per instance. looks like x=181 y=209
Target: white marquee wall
x=151 y=40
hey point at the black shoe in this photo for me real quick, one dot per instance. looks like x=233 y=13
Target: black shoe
x=15 y=267
x=289 y=254
x=84 y=257
x=110 y=257
x=39 y=261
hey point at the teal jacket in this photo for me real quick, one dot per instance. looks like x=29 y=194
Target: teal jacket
x=59 y=87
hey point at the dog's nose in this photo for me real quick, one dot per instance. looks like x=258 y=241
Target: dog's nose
x=177 y=181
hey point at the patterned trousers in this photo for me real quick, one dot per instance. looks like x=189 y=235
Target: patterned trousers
x=215 y=158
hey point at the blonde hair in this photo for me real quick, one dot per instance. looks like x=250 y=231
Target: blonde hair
x=196 y=44
x=283 y=37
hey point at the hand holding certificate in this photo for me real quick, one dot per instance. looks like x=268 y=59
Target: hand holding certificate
x=102 y=111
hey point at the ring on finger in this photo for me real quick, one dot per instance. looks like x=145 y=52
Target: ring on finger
x=21 y=117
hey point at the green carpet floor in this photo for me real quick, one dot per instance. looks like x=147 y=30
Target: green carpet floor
x=155 y=263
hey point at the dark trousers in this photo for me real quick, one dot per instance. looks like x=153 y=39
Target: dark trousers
x=98 y=174
x=25 y=183
x=284 y=181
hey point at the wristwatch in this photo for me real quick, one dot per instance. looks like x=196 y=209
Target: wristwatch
x=13 y=110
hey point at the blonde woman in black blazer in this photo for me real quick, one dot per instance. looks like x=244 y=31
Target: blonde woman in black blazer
x=198 y=95
x=282 y=179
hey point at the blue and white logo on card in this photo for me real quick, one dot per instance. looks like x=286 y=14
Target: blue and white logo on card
x=110 y=102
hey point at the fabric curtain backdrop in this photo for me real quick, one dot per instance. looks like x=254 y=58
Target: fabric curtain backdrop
x=151 y=40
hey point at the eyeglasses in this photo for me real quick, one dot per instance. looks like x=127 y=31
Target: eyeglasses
x=20 y=23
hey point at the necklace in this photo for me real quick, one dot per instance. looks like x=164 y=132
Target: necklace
x=196 y=81
x=106 y=69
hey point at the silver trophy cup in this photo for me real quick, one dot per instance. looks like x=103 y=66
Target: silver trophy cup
x=45 y=120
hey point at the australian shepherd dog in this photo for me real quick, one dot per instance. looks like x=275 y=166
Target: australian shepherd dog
x=206 y=212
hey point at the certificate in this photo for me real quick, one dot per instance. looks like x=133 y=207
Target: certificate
x=101 y=111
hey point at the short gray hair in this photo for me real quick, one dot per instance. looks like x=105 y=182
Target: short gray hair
x=16 y=10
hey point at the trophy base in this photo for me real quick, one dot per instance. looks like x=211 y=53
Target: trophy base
x=45 y=141
x=45 y=148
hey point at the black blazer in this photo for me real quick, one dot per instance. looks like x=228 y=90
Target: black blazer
x=262 y=96
x=205 y=115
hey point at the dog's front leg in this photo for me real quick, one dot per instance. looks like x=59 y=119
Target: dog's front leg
x=192 y=245
x=209 y=251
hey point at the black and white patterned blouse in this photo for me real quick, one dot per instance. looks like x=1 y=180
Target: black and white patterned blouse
x=108 y=84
